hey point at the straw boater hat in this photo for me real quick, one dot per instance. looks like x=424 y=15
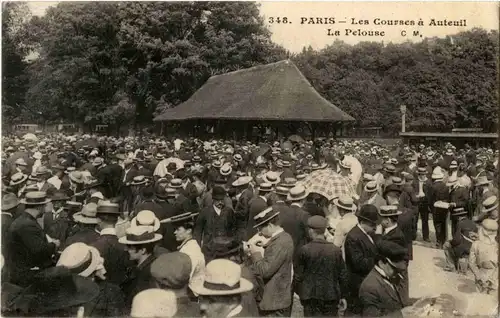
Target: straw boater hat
x=482 y=180
x=281 y=190
x=397 y=181
x=35 y=198
x=344 y=203
x=452 y=180
x=368 y=177
x=288 y=183
x=77 y=177
x=389 y=210
x=18 y=178
x=458 y=211
x=98 y=162
x=242 y=181
x=490 y=204
x=437 y=174
x=139 y=180
x=390 y=168
x=217 y=164
x=285 y=164
x=272 y=178
x=20 y=162
x=137 y=235
x=80 y=259
x=421 y=170
x=223 y=277
x=175 y=183
x=449 y=152
x=371 y=187
x=453 y=165
x=297 y=193
x=107 y=207
x=88 y=215
x=146 y=218
x=154 y=302
x=225 y=170
x=70 y=169
x=265 y=216
x=265 y=187
x=237 y=157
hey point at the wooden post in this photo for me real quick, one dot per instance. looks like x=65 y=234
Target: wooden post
x=403 y=118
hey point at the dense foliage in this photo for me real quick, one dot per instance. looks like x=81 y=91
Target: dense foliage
x=123 y=62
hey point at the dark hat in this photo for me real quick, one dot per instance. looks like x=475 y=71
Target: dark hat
x=392 y=188
x=218 y=193
x=54 y=289
x=73 y=206
x=181 y=218
x=172 y=270
x=389 y=210
x=390 y=168
x=421 y=170
x=458 y=211
x=225 y=246
x=394 y=253
x=59 y=195
x=265 y=187
x=317 y=222
x=92 y=184
x=368 y=212
x=265 y=216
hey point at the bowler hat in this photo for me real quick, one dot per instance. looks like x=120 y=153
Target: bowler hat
x=389 y=210
x=9 y=201
x=393 y=253
x=317 y=222
x=391 y=188
x=368 y=212
x=218 y=193
x=265 y=216
x=35 y=198
x=371 y=186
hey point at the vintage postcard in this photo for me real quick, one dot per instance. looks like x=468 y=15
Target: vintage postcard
x=250 y=159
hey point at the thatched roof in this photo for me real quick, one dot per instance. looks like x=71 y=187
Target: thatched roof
x=277 y=91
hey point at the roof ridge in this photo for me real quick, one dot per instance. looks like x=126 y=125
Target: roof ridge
x=287 y=61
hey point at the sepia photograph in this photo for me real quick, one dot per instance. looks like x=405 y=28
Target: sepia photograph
x=250 y=159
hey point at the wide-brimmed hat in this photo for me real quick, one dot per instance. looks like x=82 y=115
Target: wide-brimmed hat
x=172 y=270
x=146 y=218
x=20 y=162
x=389 y=210
x=69 y=169
x=437 y=174
x=218 y=193
x=97 y=162
x=490 y=204
x=421 y=170
x=272 y=178
x=265 y=216
x=136 y=235
x=139 y=180
x=225 y=170
x=73 y=206
x=265 y=187
x=368 y=177
x=458 y=211
x=59 y=195
x=397 y=181
x=242 y=181
x=390 y=168
x=237 y=157
x=80 y=259
x=223 y=277
x=108 y=207
x=288 y=182
x=181 y=218
x=35 y=198
x=217 y=164
x=282 y=190
x=175 y=183
x=77 y=177
x=54 y=289
x=490 y=225
x=344 y=203
x=393 y=253
x=9 y=201
x=392 y=188
x=453 y=165
x=286 y=164
x=88 y=215
x=482 y=180
x=371 y=186
x=18 y=178
x=297 y=193
x=368 y=212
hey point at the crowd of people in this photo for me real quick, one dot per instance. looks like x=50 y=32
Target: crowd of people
x=159 y=227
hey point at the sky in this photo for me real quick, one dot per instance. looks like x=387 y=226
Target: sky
x=295 y=35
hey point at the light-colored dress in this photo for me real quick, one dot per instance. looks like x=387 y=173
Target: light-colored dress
x=483 y=259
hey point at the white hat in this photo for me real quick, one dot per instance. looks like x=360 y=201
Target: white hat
x=241 y=181
x=37 y=155
x=140 y=234
x=437 y=174
x=81 y=259
x=154 y=302
x=271 y=177
x=146 y=218
x=222 y=277
x=97 y=195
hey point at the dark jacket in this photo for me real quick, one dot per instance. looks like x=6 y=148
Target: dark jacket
x=116 y=258
x=461 y=241
x=294 y=221
x=109 y=303
x=360 y=255
x=151 y=206
x=275 y=268
x=460 y=196
x=320 y=272
x=138 y=279
x=84 y=234
x=378 y=298
x=256 y=205
x=167 y=229
x=439 y=192
x=28 y=248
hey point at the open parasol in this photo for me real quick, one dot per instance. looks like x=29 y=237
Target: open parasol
x=329 y=184
x=30 y=137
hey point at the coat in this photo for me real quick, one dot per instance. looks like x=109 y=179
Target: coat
x=116 y=258
x=407 y=224
x=109 y=303
x=256 y=205
x=109 y=177
x=294 y=221
x=460 y=196
x=439 y=192
x=360 y=255
x=139 y=279
x=461 y=241
x=84 y=234
x=319 y=272
x=275 y=268
x=379 y=298
x=28 y=248
x=167 y=229
x=151 y=206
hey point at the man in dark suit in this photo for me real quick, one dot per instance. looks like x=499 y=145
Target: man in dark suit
x=114 y=254
x=9 y=207
x=439 y=193
x=275 y=266
x=244 y=193
x=29 y=247
x=140 y=243
x=459 y=198
x=320 y=277
x=423 y=188
x=257 y=205
x=360 y=253
x=164 y=196
x=379 y=293
x=293 y=218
